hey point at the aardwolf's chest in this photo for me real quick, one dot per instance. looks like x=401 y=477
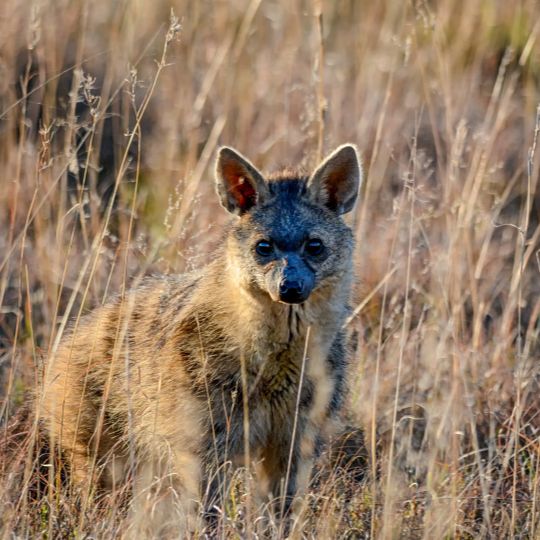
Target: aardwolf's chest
x=276 y=385
x=282 y=384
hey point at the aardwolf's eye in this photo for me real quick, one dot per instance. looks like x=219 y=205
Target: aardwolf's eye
x=264 y=248
x=314 y=247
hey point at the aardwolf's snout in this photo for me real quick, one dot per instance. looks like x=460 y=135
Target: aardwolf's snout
x=295 y=285
x=293 y=291
x=296 y=281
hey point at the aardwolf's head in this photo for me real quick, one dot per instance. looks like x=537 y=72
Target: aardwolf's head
x=289 y=239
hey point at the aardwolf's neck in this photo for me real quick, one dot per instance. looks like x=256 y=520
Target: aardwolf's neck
x=262 y=326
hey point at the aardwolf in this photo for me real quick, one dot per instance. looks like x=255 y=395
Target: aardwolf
x=188 y=374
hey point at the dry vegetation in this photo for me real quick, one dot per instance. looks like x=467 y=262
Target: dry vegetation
x=110 y=115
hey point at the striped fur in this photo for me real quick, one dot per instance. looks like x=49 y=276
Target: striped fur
x=156 y=382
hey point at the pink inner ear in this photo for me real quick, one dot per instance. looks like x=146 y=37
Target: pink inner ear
x=239 y=186
x=333 y=185
x=244 y=193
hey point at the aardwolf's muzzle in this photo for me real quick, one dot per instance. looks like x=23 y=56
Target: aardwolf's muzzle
x=292 y=291
x=296 y=283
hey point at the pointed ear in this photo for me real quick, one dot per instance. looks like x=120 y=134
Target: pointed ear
x=239 y=184
x=336 y=181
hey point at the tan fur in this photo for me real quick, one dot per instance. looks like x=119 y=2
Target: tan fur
x=149 y=382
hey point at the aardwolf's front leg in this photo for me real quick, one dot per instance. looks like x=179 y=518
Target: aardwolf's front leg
x=165 y=497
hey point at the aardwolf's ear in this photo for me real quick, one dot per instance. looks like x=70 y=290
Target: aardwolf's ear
x=239 y=184
x=336 y=181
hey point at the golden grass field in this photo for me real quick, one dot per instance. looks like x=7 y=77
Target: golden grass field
x=110 y=116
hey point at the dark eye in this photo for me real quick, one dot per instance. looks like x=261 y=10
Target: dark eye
x=314 y=247
x=264 y=248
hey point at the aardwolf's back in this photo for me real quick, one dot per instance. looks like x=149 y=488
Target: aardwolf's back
x=114 y=360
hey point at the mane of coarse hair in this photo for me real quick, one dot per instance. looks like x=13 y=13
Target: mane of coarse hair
x=288 y=182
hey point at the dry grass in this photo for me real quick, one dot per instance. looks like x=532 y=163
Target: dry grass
x=109 y=120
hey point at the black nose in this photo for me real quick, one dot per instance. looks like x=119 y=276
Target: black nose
x=292 y=291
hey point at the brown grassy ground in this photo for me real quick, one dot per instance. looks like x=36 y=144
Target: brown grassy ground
x=109 y=121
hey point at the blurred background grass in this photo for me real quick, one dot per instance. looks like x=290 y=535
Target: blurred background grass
x=106 y=155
